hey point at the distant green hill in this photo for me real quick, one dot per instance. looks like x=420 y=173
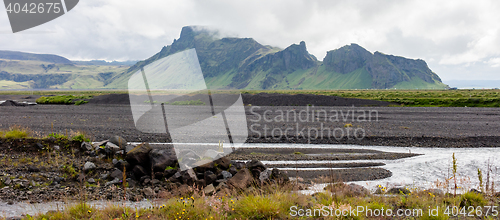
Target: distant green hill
x=231 y=63
x=49 y=58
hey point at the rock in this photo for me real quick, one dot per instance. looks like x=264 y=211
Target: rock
x=223 y=163
x=86 y=146
x=116 y=174
x=233 y=170
x=121 y=163
x=221 y=185
x=162 y=158
x=279 y=176
x=189 y=177
x=475 y=191
x=168 y=173
x=139 y=155
x=209 y=177
x=131 y=183
x=39 y=146
x=209 y=190
x=104 y=176
x=148 y=192
x=357 y=190
x=226 y=175
x=155 y=181
x=88 y=166
x=111 y=148
x=237 y=165
x=241 y=180
x=129 y=147
x=211 y=154
x=175 y=178
x=139 y=171
x=144 y=178
x=436 y=192
x=398 y=190
x=33 y=169
x=114 y=161
x=91 y=181
x=102 y=143
x=255 y=164
x=59 y=179
x=183 y=190
x=264 y=176
x=56 y=147
x=113 y=182
x=7 y=181
x=118 y=141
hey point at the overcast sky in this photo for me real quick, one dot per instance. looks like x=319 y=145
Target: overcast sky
x=458 y=39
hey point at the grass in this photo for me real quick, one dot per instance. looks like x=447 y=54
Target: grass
x=15 y=132
x=63 y=99
x=278 y=202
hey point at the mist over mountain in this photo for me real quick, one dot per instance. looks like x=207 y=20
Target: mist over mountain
x=238 y=63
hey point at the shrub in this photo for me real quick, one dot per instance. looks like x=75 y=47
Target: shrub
x=80 y=102
x=472 y=199
x=257 y=207
x=16 y=132
x=58 y=136
x=80 y=138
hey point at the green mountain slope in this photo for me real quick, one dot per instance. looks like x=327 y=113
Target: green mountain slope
x=243 y=63
x=231 y=63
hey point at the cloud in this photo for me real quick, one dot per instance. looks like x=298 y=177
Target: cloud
x=444 y=33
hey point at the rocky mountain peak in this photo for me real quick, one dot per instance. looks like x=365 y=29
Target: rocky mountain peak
x=346 y=59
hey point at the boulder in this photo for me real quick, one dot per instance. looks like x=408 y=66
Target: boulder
x=102 y=143
x=226 y=175
x=398 y=190
x=189 y=177
x=139 y=155
x=279 y=176
x=121 y=163
x=241 y=180
x=88 y=166
x=264 y=176
x=223 y=163
x=233 y=170
x=162 y=158
x=111 y=148
x=139 y=171
x=209 y=190
x=86 y=146
x=170 y=172
x=115 y=181
x=210 y=177
x=357 y=190
x=91 y=181
x=148 y=192
x=118 y=141
x=175 y=178
x=116 y=174
x=255 y=164
x=7 y=181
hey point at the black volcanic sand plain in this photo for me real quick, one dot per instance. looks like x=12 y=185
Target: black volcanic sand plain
x=109 y=115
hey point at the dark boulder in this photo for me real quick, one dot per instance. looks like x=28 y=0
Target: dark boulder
x=210 y=177
x=118 y=141
x=161 y=159
x=139 y=171
x=241 y=180
x=139 y=155
x=279 y=176
x=223 y=163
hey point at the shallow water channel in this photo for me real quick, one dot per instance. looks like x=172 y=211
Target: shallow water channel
x=423 y=171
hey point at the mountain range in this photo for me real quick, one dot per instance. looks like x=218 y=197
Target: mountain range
x=243 y=63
